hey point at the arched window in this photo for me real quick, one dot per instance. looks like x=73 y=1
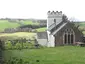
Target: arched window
x=68 y=36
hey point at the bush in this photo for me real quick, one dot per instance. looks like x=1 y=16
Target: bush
x=25 y=45
x=8 y=45
x=30 y=45
x=18 y=46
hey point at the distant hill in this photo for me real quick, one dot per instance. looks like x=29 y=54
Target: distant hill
x=6 y=24
x=14 y=23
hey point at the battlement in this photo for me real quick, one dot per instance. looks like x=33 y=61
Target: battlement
x=54 y=13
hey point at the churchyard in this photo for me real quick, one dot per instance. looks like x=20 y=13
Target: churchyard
x=24 y=51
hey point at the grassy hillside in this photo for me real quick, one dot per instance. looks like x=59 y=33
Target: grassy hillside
x=57 y=55
x=5 y=24
x=27 y=22
x=41 y=29
x=18 y=34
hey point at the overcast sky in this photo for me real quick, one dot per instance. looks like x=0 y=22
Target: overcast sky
x=38 y=8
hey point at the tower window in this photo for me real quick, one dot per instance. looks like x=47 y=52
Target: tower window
x=54 y=20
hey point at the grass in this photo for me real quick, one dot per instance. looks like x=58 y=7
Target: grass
x=82 y=24
x=41 y=29
x=27 y=22
x=57 y=55
x=5 y=24
x=19 y=34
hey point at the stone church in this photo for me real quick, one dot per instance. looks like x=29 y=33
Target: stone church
x=60 y=31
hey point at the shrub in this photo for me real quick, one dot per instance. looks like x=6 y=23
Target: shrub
x=25 y=45
x=8 y=45
x=18 y=46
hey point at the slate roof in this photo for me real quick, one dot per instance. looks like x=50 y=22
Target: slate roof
x=53 y=25
x=59 y=28
x=42 y=35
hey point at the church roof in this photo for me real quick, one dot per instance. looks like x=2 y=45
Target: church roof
x=59 y=28
x=53 y=25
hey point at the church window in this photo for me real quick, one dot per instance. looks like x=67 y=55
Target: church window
x=68 y=36
x=54 y=20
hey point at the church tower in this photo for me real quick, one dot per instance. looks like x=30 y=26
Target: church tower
x=53 y=19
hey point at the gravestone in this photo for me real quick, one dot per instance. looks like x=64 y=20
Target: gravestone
x=36 y=43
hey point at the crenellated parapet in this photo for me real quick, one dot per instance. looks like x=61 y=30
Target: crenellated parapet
x=54 y=12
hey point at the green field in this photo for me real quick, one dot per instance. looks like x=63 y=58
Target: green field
x=27 y=22
x=56 y=55
x=27 y=35
x=5 y=24
x=41 y=29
